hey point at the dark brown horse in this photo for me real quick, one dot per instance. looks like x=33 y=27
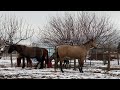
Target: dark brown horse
x=75 y=52
x=41 y=54
x=19 y=57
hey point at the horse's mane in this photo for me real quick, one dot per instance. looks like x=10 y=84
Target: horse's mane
x=18 y=45
x=88 y=42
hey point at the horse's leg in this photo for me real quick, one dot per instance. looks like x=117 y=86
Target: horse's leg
x=45 y=64
x=61 y=67
x=67 y=64
x=30 y=62
x=18 y=62
x=37 y=65
x=56 y=63
x=49 y=64
x=63 y=64
x=27 y=62
x=45 y=61
x=42 y=63
x=23 y=62
x=81 y=62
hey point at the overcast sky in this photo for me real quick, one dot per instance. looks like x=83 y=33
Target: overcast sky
x=40 y=18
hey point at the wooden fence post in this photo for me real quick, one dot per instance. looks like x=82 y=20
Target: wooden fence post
x=108 y=66
x=118 y=57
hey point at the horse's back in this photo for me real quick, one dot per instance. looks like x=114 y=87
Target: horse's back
x=33 y=51
x=70 y=51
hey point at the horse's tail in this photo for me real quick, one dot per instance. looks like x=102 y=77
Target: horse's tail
x=47 y=59
x=47 y=62
x=56 y=58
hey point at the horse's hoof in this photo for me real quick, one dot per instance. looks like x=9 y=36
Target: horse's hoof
x=41 y=68
x=35 y=68
x=62 y=71
x=81 y=71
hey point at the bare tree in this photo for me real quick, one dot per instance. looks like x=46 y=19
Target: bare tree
x=14 y=30
x=76 y=29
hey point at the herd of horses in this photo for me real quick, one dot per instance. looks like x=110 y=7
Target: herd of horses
x=61 y=53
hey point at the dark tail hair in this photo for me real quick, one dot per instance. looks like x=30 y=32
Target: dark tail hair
x=46 y=59
x=56 y=58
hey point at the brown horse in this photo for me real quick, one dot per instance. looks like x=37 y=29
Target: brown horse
x=74 y=52
x=40 y=54
x=29 y=62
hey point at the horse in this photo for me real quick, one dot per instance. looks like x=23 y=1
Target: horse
x=40 y=54
x=4 y=49
x=75 y=52
x=29 y=62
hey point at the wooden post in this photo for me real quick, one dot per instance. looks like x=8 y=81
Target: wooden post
x=90 y=56
x=118 y=57
x=108 y=66
x=96 y=54
x=105 y=56
x=11 y=53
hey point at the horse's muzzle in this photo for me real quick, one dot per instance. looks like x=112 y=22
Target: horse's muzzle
x=95 y=47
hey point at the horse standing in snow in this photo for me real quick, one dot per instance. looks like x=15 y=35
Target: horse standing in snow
x=74 y=52
x=40 y=54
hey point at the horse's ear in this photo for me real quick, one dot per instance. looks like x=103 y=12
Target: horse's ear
x=91 y=39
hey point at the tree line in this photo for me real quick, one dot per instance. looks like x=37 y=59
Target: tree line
x=71 y=28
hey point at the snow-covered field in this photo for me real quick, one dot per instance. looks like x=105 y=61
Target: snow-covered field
x=90 y=72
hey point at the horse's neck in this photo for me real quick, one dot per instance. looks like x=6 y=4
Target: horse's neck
x=20 y=50
x=87 y=46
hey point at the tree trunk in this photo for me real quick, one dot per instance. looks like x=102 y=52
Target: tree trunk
x=11 y=60
x=108 y=66
x=11 y=42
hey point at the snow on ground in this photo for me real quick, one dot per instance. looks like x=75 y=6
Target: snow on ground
x=90 y=72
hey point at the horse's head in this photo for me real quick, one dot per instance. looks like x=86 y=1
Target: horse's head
x=11 y=48
x=93 y=43
x=16 y=47
x=4 y=48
